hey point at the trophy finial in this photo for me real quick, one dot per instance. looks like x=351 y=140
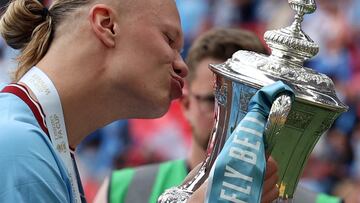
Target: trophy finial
x=292 y=42
x=303 y=6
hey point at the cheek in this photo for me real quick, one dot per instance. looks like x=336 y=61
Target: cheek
x=141 y=50
x=204 y=122
x=207 y=122
x=158 y=50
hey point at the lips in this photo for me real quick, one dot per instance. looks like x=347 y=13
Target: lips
x=176 y=87
x=179 y=80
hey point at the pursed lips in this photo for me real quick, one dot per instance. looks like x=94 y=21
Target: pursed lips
x=177 y=84
x=178 y=79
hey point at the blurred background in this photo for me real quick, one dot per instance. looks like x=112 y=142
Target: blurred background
x=334 y=166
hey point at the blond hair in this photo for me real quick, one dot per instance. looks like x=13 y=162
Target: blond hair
x=29 y=26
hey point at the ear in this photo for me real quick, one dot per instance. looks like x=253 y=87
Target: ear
x=102 y=21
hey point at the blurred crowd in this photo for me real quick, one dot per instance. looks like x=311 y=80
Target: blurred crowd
x=334 y=166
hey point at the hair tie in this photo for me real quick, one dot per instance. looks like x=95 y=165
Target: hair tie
x=45 y=12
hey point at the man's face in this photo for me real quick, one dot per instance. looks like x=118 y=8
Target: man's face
x=200 y=108
x=149 y=45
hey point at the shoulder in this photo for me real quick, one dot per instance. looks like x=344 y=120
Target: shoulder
x=18 y=139
x=132 y=184
x=19 y=128
x=30 y=168
x=150 y=181
x=15 y=115
x=127 y=174
x=30 y=171
x=170 y=174
x=40 y=192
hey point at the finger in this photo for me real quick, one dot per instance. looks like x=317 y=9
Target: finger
x=199 y=194
x=267 y=156
x=193 y=173
x=270 y=183
x=271 y=167
x=270 y=196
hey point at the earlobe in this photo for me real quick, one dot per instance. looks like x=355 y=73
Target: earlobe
x=103 y=24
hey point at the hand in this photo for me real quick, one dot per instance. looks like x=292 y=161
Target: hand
x=351 y=192
x=270 y=190
x=199 y=194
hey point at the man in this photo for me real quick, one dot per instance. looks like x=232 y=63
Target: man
x=82 y=64
x=198 y=103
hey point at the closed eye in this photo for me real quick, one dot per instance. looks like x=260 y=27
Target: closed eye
x=168 y=39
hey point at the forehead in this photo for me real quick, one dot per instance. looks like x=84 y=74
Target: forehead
x=202 y=69
x=162 y=14
x=162 y=10
x=204 y=78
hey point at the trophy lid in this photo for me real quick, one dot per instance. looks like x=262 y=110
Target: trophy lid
x=290 y=47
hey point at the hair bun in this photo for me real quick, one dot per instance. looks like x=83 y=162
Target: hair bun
x=20 y=20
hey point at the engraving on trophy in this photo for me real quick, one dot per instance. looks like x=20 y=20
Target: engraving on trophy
x=305 y=6
x=281 y=37
x=300 y=76
x=241 y=95
x=328 y=121
x=221 y=94
x=292 y=73
x=246 y=94
x=299 y=119
x=248 y=58
x=325 y=100
x=174 y=194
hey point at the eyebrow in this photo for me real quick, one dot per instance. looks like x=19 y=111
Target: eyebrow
x=207 y=97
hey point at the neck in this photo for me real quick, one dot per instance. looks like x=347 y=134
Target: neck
x=81 y=77
x=78 y=66
x=82 y=92
x=197 y=154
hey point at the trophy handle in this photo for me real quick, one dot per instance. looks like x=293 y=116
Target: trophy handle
x=279 y=112
x=277 y=118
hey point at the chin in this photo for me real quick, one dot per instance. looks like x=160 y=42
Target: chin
x=157 y=111
x=162 y=107
x=153 y=106
x=163 y=110
x=156 y=114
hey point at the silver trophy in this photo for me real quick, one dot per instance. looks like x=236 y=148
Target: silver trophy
x=293 y=127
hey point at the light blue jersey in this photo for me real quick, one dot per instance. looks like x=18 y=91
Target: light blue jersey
x=30 y=169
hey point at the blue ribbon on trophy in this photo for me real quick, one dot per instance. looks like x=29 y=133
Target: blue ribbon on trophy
x=240 y=167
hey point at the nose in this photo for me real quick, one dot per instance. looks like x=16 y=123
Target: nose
x=179 y=66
